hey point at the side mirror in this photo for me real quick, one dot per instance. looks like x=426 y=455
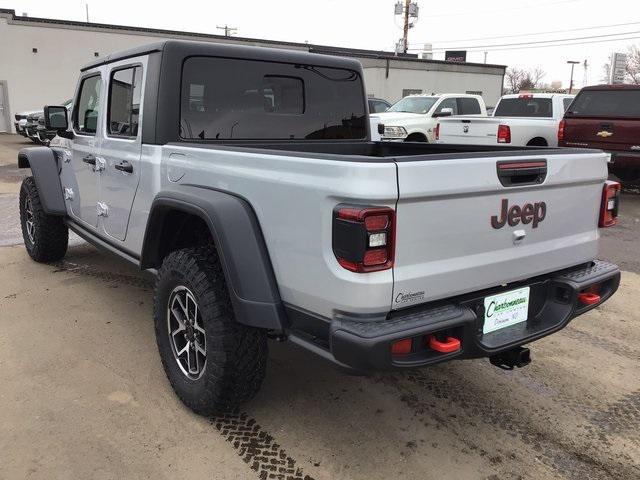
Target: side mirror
x=55 y=118
x=444 y=112
x=381 y=128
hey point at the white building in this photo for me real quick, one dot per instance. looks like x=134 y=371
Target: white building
x=40 y=59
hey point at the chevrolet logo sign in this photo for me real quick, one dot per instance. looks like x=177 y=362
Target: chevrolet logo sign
x=604 y=134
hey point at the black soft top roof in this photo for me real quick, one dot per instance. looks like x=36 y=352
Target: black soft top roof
x=189 y=48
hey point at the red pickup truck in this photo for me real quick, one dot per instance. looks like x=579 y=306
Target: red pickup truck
x=606 y=117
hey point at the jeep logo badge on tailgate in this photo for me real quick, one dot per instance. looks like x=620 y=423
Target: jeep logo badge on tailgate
x=528 y=213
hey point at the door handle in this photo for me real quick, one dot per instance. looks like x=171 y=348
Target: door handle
x=124 y=166
x=90 y=159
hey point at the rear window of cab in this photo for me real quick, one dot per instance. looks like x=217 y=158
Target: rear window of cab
x=237 y=99
x=524 y=107
x=606 y=103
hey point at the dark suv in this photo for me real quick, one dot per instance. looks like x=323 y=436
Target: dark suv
x=606 y=117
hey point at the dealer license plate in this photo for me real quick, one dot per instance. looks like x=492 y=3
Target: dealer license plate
x=505 y=309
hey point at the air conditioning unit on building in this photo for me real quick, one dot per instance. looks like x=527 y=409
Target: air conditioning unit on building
x=427 y=52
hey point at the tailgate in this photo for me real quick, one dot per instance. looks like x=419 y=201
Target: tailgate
x=613 y=134
x=447 y=242
x=476 y=131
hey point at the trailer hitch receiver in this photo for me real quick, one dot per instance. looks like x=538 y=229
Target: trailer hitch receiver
x=516 y=357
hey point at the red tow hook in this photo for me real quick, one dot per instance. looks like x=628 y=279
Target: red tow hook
x=588 y=298
x=452 y=344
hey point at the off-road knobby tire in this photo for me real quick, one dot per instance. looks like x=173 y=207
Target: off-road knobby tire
x=236 y=355
x=50 y=236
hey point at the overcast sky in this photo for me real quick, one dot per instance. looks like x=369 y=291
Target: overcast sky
x=371 y=24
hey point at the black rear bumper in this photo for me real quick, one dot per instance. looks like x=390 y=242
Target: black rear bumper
x=365 y=345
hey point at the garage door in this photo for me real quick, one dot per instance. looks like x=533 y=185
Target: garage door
x=3 y=110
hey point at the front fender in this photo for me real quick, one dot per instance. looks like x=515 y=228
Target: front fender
x=240 y=245
x=45 y=170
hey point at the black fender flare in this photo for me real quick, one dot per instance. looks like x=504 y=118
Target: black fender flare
x=240 y=245
x=46 y=173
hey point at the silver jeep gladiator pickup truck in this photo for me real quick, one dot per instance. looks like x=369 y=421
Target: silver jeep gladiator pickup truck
x=245 y=180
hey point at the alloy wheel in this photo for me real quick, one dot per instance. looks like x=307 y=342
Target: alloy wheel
x=186 y=333
x=28 y=213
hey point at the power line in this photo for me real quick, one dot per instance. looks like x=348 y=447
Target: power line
x=532 y=34
x=547 y=45
x=537 y=42
x=510 y=9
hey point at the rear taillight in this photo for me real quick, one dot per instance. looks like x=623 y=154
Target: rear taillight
x=437 y=131
x=363 y=237
x=610 y=203
x=561 y=127
x=504 y=134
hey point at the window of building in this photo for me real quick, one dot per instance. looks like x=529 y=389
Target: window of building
x=411 y=91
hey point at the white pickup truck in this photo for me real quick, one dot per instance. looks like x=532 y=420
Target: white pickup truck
x=521 y=120
x=414 y=118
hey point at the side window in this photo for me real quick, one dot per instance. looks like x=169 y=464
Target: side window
x=86 y=114
x=566 y=102
x=469 y=106
x=448 y=103
x=379 y=106
x=124 y=102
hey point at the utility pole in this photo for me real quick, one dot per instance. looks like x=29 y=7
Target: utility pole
x=409 y=12
x=573 y=63
x=405 y=36
x=228 y=31
x=485 y=57
x=585 y=79
x=86 y=7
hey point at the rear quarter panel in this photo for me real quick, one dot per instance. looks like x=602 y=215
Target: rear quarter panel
x=294 y=198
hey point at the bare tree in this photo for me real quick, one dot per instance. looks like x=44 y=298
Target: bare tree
x=523 y=79
x=513 y=78
x=606 y=72
x=633 y=64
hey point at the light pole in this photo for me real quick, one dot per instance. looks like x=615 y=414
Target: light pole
x=573 y=63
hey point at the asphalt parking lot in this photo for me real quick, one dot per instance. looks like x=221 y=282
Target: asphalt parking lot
x=83 y=393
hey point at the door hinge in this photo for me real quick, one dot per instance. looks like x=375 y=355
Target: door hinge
x=68 y=193
x=103 y=209
x=100 y=164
